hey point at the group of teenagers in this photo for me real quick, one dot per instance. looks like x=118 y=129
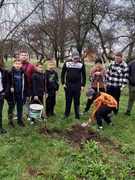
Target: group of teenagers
x=25 y=83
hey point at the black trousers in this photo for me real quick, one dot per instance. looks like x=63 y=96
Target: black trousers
x=103 y=113
x=115 y=92
x=89 y=101
x=50 y=102
x=1 y=107
x=72 y=92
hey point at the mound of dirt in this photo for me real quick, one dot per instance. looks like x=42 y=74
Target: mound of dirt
x=78 y=135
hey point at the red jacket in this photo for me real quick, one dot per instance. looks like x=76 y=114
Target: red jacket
x=29 y=69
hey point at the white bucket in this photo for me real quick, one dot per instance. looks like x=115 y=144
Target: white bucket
x=36 y=110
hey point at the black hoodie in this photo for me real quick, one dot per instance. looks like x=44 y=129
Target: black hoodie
x=51 y=78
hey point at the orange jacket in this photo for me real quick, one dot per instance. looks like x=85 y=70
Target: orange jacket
x=103 y=99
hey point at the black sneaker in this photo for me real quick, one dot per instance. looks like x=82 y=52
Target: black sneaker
x=2 y=130
x=115 y=113
x=111 y=124
x=52 y=114
x=127 y=113
x=11 y=124
x=20 y=123
x=84 y=112
x=78 y=117
x=99 y=128
x=65 y=116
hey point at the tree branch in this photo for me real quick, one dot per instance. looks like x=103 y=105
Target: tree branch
x=22 y=20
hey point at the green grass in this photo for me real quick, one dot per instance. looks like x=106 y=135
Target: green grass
x=27 y=154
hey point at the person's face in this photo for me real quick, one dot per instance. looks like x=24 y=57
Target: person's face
x=90 y=97
x=17 y=65
x=23 y=56
x=40 y=68
x=75 y=59
x=118 y=59
x=50 y=66
x=98 y=65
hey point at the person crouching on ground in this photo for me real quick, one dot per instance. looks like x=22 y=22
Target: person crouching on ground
x=103 y=105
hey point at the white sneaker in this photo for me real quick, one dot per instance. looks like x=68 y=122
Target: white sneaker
x=32 y=123
x=28 y=118
x=15 y=118
x=99 y=128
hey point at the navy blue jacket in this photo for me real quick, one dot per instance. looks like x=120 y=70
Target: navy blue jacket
x=24 y=84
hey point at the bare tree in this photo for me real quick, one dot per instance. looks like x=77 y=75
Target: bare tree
x=10 y=22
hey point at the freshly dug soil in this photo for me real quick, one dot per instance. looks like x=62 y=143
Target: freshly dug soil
x=77 y=135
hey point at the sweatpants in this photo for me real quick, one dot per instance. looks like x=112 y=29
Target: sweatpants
x=102 y=113
x=72 y=92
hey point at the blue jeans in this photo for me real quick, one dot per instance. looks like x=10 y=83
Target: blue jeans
x=19 y=102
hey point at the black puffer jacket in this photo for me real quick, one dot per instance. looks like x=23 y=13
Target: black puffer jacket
x=38 y=84
x=5 y=80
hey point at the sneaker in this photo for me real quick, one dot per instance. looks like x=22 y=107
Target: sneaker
x=32 y=123
x=11 y=124
x=65 y=116
x=15 y=118
x=111 y=124
x=127 y=113
x=115 y=113
x=99 y=128
x=42 y=119
x=2 y=130
x=47 y=115
x=84 y=112
x=28 y=118
x=20 y=123
x=78 y=117
x=52 y=114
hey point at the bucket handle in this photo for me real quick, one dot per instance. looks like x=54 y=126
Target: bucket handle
x=36 y=100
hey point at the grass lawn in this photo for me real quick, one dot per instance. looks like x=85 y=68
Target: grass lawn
x=28 y=153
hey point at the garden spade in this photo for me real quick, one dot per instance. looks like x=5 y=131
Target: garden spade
x=97 y=84
x=85 y=124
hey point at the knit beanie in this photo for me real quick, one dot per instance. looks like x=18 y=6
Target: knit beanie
x=98 y=60
x=90 y=92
